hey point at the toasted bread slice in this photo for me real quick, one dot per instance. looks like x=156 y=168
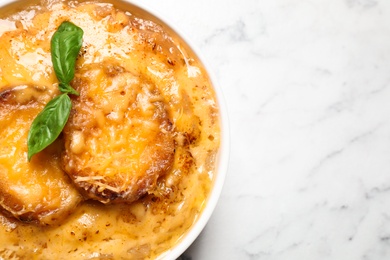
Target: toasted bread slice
x=119 y=139
x=36 y=191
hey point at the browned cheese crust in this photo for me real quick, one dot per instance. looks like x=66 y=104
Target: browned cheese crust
x=37 y=191
x=119 y=139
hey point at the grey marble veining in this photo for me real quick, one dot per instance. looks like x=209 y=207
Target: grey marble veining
x=307 y=85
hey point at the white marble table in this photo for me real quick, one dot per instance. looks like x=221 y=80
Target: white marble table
x=307 y=84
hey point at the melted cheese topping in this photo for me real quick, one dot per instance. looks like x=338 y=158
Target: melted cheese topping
x=43 y=194
x=153 y=224
x=121 y=153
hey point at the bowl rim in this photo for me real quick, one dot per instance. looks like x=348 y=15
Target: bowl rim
x=224 y=150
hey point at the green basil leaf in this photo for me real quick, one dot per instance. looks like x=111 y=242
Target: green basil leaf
x=66 y=88
x=48 y=125
x=65 y=46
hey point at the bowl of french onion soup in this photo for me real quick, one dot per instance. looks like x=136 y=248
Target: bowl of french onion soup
x=113 y=133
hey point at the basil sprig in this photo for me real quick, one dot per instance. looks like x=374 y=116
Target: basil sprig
x=65 y=46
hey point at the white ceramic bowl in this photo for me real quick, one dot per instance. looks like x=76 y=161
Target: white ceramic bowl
x=223 y=157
